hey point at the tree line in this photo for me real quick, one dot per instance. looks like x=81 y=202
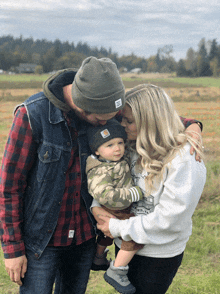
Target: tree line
x=54 y=55
x=204 y=62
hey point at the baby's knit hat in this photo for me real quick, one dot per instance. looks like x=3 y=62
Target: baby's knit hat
x=102 y=134
x=98 y=87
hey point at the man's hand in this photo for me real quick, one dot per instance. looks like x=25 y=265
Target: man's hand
x=99 y=212
x=103 y=225
x=195 y=131
x=16 y=268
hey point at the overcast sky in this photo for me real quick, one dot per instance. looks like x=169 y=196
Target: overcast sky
x=127 y=26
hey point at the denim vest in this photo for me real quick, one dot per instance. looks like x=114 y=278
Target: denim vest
x=46 y=180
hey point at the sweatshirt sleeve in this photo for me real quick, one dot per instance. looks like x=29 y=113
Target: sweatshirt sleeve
x=102 y=189
x=180 y=193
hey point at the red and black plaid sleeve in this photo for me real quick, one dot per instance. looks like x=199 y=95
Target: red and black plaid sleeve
x=188 y=121
x=17 y=161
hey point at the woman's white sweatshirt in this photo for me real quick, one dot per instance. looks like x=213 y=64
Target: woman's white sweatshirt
x=163 y=221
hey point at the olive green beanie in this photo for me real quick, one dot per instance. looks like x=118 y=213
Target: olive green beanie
x=98 y=87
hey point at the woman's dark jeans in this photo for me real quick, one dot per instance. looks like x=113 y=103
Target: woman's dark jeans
x=152 y=275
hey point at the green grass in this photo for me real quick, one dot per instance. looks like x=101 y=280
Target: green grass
x=23 y=78
x=202 y=81
x=173 y=82
x=200 y=270
x=211 y=192
x=22 y=81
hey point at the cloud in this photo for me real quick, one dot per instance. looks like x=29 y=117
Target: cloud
x=124 y=25
x=81 y=5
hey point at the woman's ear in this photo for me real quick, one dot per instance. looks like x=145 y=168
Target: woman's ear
x=97 y=153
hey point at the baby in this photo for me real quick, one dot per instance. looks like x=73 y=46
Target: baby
x=110 y=183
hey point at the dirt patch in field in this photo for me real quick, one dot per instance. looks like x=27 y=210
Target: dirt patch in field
x=153 y=75
x=190 y=94
x=19 y=92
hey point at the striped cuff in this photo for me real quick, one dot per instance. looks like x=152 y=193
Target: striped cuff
x=136 y=194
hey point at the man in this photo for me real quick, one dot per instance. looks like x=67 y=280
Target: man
x=46 y=228
x=45 y=219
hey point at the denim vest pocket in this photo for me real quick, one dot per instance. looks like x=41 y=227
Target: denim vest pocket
x=49 y=162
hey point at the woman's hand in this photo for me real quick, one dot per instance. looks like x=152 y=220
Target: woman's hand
x=104 y=225
x=194 y=130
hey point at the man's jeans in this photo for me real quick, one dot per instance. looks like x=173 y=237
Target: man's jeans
x=70 y=266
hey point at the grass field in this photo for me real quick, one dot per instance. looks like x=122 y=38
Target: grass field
x=200 y=270
x=168 y=79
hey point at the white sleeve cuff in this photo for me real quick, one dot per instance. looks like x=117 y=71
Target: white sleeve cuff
x=94 y=204
x=114 y=225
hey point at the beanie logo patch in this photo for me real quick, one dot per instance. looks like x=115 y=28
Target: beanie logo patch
x=118 y=103
x=105 y=133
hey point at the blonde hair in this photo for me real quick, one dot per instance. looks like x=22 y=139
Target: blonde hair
x=160 y=131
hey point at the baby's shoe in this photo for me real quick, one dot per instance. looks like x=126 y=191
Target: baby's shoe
x=117 y=277
x=101 y=263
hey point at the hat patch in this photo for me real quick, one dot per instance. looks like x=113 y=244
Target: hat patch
x=118 y=103
x=105 y=133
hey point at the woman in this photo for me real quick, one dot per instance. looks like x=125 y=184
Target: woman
x=172 y=182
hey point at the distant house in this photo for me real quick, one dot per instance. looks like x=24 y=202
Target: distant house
x=26 y=68
x=136 y=70
x=123 y=69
